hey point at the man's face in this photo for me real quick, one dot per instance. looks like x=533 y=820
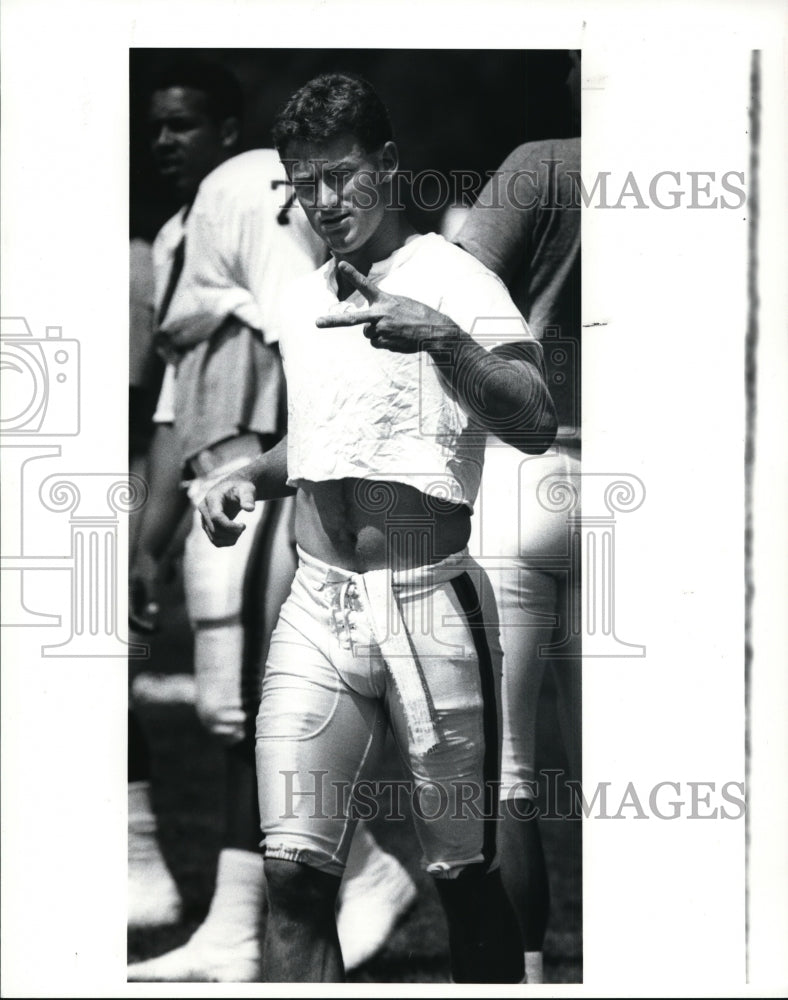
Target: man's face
x=343 y=189
x=187 y=143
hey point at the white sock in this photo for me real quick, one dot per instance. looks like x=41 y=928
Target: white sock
x=236 y=910
x=366 y=859
x=376 y=890
x=153 y=897
x=534 y=973
x=226 y=947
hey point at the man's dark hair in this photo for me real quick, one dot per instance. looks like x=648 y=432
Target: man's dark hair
x=223 y=94
x=332 y=104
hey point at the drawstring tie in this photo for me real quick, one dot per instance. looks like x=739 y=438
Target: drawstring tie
x=374 y=592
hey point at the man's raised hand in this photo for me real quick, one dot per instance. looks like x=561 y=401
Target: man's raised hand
x=376 y=299
x=221 y=505
x=392 y=322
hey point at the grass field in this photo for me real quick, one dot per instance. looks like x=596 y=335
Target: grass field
x=188 y=796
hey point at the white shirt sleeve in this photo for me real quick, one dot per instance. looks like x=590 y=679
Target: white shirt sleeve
x=482 y=307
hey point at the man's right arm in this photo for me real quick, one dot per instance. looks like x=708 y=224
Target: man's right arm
x=159 y=521
x=263 y=479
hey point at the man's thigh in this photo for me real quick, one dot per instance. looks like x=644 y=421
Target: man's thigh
x=316 y=739
x=454 y=633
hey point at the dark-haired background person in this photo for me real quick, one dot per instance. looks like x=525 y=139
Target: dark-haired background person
x=194 y=116
x=525 y=226
x=222 y=404
x=388 y=399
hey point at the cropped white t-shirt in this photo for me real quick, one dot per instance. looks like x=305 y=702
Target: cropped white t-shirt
x=362 y=412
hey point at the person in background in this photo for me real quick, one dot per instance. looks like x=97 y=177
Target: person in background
x=221 y=263
x=525 y=226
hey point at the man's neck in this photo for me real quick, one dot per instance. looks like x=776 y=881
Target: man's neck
x=391 y=234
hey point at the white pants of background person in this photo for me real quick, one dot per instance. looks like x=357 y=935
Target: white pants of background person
x=213 y=581
x=525 y=550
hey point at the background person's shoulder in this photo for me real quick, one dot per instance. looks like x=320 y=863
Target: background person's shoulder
x=256 y=174
x=533 y=156
x=459 y=262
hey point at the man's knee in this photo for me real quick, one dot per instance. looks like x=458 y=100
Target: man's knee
x=298 y=889
x=460 y=880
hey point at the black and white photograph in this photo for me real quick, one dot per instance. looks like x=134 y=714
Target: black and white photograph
x=415 y=613
x=450 y=778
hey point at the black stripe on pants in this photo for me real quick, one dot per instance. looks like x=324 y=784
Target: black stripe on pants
x=470 y=602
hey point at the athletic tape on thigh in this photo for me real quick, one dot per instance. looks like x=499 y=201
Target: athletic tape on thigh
x=389 y=630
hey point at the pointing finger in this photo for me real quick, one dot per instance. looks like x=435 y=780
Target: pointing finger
x=353 y=318
x=358 y=281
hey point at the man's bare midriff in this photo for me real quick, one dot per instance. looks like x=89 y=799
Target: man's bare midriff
x=362 y=524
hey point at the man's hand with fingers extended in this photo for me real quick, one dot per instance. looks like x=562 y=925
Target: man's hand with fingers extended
x=220 y=507
x=392 y=322
x=263 y=479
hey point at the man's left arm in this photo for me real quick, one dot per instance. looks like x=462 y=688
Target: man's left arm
x=503 y=390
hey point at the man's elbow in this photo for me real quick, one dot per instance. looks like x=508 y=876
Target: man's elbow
x=531 y=442
x=540 y=434
x=527 y=420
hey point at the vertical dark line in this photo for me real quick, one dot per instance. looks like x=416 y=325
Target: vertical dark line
x=470 y=602
x=176 y=269
x=256 y=632
x=750 y=376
